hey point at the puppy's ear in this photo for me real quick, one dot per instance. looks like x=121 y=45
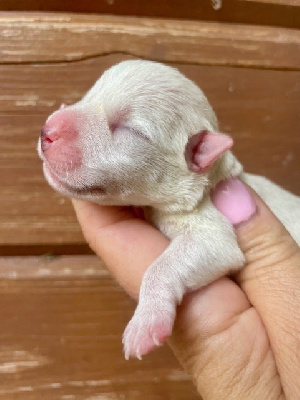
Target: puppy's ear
x=204 y=148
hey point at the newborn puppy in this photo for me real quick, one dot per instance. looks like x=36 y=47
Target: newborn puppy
x=145 y=135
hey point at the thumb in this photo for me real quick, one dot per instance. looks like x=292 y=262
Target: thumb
x=271 y=278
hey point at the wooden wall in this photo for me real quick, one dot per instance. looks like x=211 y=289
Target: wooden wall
x=62 y=316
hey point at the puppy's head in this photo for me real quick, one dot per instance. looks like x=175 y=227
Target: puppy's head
x=142 y=135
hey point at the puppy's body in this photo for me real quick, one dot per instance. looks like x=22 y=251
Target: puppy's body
x=285 y=205
x=145 y=135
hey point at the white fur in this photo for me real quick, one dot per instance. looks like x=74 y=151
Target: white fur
x=139 y=117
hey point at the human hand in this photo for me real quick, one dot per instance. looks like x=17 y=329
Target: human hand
x=237 y=339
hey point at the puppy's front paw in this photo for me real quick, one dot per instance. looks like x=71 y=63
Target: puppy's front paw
x=147 y=329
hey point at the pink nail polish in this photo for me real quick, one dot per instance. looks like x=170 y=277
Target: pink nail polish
x=232 y=198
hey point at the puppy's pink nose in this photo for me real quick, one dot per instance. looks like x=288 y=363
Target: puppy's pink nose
x=60 y=130
x=48 y=136
x=59 y=140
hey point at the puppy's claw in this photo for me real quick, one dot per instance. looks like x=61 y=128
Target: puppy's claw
x=138 y=354
x=126 y=355
x=156 y=341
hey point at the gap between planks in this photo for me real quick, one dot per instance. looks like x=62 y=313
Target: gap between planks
x=172 y=63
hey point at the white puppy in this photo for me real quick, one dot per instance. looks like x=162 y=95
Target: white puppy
x=145 y=135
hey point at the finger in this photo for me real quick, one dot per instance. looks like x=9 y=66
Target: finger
x=271 y=279
x=125 y=243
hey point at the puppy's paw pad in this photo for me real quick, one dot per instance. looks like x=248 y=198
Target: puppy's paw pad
x=142 y=335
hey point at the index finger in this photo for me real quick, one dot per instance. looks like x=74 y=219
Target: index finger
x=126 y=244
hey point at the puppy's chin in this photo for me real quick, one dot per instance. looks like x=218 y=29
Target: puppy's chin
x=55 y=182
x=93 y=192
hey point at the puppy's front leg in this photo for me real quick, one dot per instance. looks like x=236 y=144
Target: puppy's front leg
x=191 y=261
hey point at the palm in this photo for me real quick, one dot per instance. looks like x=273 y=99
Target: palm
x=217 y=334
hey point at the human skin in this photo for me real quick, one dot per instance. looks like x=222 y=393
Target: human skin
x=238 y=338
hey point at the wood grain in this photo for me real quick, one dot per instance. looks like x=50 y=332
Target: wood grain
x=60 y=336
x=34 y=38
x=262 y=117
x=283 y=13
x=62 y=317
x=42 y=67
x=295 y=3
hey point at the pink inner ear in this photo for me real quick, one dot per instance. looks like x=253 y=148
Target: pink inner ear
x=206 y=147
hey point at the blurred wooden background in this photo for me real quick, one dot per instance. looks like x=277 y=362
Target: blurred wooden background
x=61 y=315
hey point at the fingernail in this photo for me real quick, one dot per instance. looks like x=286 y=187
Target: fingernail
x=232 y=198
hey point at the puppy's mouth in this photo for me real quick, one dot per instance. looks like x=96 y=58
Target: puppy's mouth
x=63 y=187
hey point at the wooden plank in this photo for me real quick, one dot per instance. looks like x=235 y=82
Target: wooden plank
x=258 y=107
x=34 y=37
x=295 y=3
x=61 y=327
x=283 y=13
